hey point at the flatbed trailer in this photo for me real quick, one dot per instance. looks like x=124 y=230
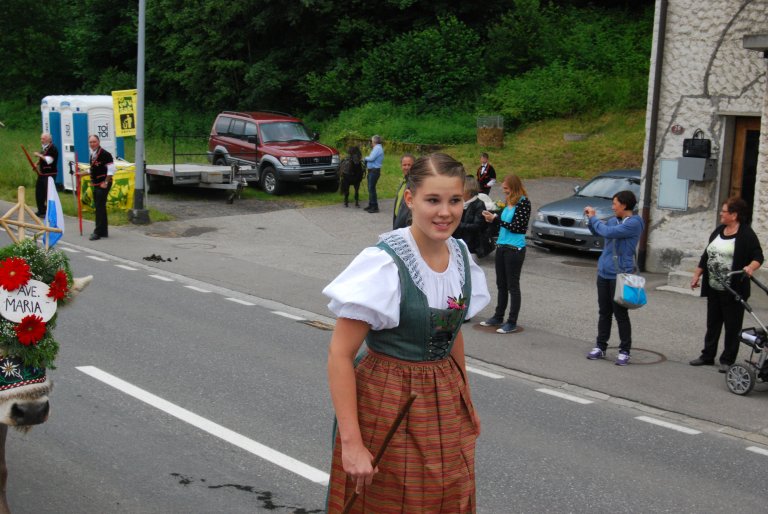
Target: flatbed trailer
x=210 y=176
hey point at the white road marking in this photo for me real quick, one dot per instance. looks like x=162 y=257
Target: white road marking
x=483 y=372
x=242 y=302
x=96 y=258
x=198 y=289
x=68 y=249
x=757 y=449
x=565 y=396
x=249 y=445
x=125 y=267
x=289 y=316
x=666 y=424
x=160 y=277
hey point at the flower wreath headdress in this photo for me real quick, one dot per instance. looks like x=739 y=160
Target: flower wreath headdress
x=33 y=283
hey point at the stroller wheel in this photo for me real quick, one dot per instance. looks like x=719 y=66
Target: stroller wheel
x=740 y=378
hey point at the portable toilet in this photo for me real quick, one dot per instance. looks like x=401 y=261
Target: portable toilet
x=70 y=119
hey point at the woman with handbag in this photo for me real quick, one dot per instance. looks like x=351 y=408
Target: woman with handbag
x=510 y=253
x=733 y=246
x=621 y=233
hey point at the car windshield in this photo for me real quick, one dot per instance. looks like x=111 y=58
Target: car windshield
x=284 y=131
x=606 y=187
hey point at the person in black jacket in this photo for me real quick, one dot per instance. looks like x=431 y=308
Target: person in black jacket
x=102 y=170
x=510 y=253
x=48 y=159
x=472 y=225
x=733 y=246
x=486 y=175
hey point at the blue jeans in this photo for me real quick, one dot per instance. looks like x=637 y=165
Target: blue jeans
x=608 y=309
x=373 y=177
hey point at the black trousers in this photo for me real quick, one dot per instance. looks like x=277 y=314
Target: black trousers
x=100 y=205
x=509 y=263
x=722 y=310
x=41 y=193
x=607 y=310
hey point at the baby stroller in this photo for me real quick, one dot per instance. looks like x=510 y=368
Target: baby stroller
x=741 y=377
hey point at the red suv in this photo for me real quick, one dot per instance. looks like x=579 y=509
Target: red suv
x=276 y=147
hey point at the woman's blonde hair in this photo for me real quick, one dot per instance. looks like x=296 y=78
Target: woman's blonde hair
x=516 y=189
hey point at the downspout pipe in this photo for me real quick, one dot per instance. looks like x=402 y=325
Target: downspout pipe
x=650 y=151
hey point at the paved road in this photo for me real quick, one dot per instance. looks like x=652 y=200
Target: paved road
x=234 y=362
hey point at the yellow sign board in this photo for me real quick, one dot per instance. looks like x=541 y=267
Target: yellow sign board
x=124 y=103
x=120 y=197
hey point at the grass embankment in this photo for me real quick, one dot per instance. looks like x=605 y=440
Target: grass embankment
x=613 y=140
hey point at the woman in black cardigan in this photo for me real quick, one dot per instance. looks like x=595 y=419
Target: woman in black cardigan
x=733 y=246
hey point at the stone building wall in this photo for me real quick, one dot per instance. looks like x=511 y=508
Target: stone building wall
x=707 y=79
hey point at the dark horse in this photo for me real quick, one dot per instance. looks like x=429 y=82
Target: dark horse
x=351 y=171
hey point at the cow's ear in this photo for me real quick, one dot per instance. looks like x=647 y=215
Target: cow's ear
x=80 y=283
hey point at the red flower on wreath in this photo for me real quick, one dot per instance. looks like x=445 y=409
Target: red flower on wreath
x=30 y=330
x=14 y=273
x=58 y=289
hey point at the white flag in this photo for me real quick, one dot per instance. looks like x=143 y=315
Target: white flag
x=54 y=216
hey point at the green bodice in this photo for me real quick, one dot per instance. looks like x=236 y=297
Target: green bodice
x=424 y=333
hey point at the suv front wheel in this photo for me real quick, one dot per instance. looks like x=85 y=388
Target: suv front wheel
x=269 y=182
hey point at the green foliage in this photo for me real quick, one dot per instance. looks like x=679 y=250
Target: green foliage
x=520 y=40
x=400 y=122
x=563 y=90
x=435 y=66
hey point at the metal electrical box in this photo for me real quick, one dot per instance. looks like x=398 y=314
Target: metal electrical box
x=696 y=168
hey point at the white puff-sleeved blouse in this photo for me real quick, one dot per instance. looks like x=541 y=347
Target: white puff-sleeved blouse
x=369 y=289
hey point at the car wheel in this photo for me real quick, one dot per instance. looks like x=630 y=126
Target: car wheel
x=269 y=182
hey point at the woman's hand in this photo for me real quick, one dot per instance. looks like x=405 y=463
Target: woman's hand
x=488 y=216
x=358 y=464
x=476 y=420
x=695 y=279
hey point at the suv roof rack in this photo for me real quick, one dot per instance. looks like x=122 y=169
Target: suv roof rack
x=243 y=113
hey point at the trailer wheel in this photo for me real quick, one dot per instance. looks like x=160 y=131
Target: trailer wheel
x=219 y=160
x=740 y=378
x=269 y=182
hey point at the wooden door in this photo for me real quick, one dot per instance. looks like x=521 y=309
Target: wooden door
x=744 y=167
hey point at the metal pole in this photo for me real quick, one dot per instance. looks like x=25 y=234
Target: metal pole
x=139 y=215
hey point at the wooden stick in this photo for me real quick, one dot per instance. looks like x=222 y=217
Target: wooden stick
x=395 y=424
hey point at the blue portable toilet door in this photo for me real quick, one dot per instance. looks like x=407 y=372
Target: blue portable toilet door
x=80 y=124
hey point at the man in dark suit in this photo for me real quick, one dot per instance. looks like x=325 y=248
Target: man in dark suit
x=102 y=171
x=486 y=175
x=48 y=159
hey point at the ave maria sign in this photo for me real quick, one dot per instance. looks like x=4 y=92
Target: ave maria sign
x=29 y=299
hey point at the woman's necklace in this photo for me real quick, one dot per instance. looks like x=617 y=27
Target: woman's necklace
x=731 y=229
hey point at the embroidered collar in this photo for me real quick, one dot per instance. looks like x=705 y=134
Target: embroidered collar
x=407 y=253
